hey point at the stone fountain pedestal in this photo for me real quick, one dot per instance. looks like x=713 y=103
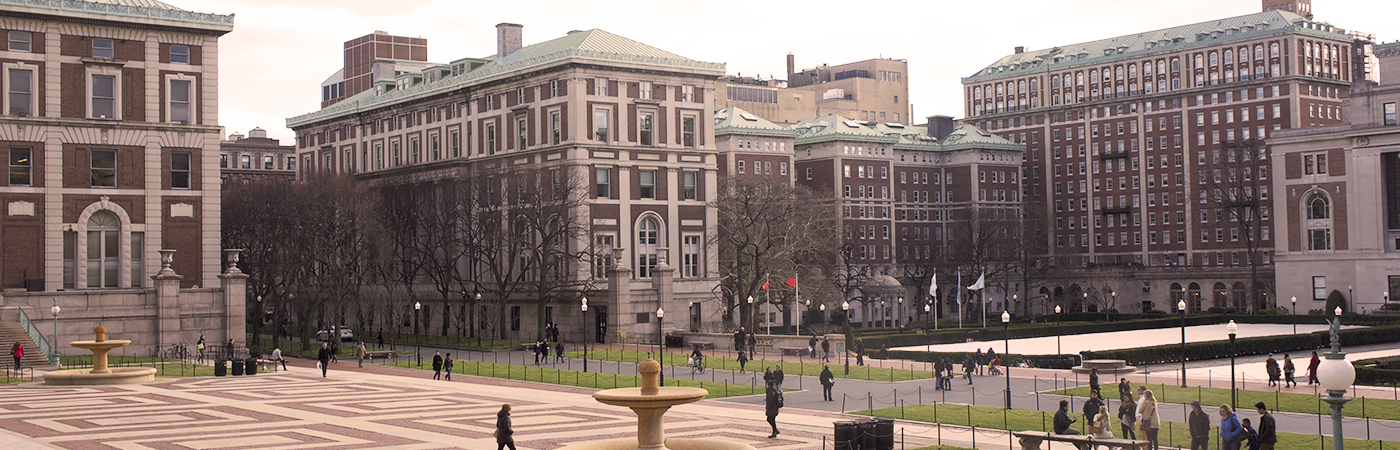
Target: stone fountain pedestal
x=100 y=373
x=650 y=402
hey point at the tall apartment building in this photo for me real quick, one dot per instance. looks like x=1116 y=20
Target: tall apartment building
x=255 y=158
x=1136 y=148
x=374 y=57
x=633 y=120
x=875 y=90
x=111 y=206
x=1339 y=192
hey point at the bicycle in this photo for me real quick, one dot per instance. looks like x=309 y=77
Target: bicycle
x=697 y=365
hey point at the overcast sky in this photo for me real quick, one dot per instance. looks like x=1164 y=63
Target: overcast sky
x=272 y=64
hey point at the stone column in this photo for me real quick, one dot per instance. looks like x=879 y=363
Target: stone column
x=619 y=282
x=661 y=277
x=167 y=301
x=235 y=288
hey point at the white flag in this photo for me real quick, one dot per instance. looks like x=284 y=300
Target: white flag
x=981 y=282
x=933 y=286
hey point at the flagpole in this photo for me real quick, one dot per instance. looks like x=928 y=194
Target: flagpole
x=797 y=302
x=960 y=308
x=768 y=298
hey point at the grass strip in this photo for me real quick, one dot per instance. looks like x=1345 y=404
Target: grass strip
x=576 y=378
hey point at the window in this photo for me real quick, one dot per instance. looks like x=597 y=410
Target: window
x=179 y=54
x=103 y=48
x=688 y=131
x=602 y=188
x=268 y=163
x=21 y=166
x=648 y=233
x=455 y=141
x=648 y=185
x=782 y=168
x=1319 y=221
x=491 y=139
x=687 y=93
x=104 y=99
x=688 y=185
x=435 y=147
x=602 y=255
x=600 y=86
x=690 y=256
x=292 y=162
x=103 y=242
x=180 y=170
x=644 y=127
x=223 y=161
x=600 y=125
x=1319 y=288
x=644 y=90
x=104 y=168
x=556 y=127
x=1315 y=164
x=180 y=101
x=1388 y=113
x=20 y=90
x=415 y=151
x=21 y=41
x=522 y=133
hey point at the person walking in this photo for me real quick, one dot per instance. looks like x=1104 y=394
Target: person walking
x=1251 y=437
x=17 y=351
x=200 y=346
x=323 y=358
x=228 y=349
x=447 y=364
x=778 y=375
x=437 y=365
x=772 y=402
x=1271 y=368
x=544 y=351
x=1231 y=432
x=1149 y=419
x=743 y=359
x=977 y=359
x=559 y=351
x=1094 y=380
x=969 y=365
x=1288 y=370
x=504 y=434
x=1268 y=430
x=1312 y=374
x=812 y=346
x=826 y=352
x=1199 y=425
x=539 y=345
x=752 y=344
x=739 y=340
x=1127 y=416
x=860 y=352
x=277 y=357
x=360 y=353
x=381 y=341
x=335 y=350
x=827 y=380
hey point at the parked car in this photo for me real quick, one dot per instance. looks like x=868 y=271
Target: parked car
x=345 y=335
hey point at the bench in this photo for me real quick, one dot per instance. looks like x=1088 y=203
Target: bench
x=1030 y=440
x=798 y=351
x=381 y=354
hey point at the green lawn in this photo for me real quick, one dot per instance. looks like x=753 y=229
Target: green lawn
x=790 y=366
x=577 y=378
x=1171 y=435
x=1286 y=402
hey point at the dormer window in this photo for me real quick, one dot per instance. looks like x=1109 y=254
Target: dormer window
x=103 y=48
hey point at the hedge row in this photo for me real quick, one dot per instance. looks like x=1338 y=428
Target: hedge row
x=1170 y=353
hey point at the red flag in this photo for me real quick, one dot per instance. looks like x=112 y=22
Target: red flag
x=765 y=285
x=792 y=282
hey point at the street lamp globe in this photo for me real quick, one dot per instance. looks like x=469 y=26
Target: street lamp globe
x=1005 y=317
x=55 y=309
x=927 y=308
x=1232 y=328
x=417 y=306
x=1335 y=374
x=845 y=305
x=1057 y=309
x=750 y=299
x=660 y=313
x=1338 y=311
x=822 y=307
x=1181 y=305
x=584 y=306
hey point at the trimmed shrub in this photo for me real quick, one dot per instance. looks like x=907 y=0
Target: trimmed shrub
x=1335 y=300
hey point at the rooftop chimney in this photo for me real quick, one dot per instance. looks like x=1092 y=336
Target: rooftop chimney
x=1020 y=49
x=791 y=66
x=508 y=37
x=940 y=127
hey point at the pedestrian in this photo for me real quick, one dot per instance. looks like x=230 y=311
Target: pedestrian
x=1127 y=416
x=1271 y=368
x=1094 y=380
x=739 y=340
x=968 y=367
x=1268 y=430
x=1288 y=370
x=1102 y=425
x=1199 y=425
x=17 y=351
x=1149 y=419
x=812 y=346
x=360 y=352
x=772 y=402
x=743 y=359
x=991 y=352
x=884 y=351
x=827 y=380
x=437 y=365
x=504 y=434
x=447 y=364
x=1123 y=388
x=1231 y=433
x=335 y=350
x=200 y=347
x=1312 y=374
x=860 y=352
x=1250 y=436
x=977 y=359
x=826 y=352
x=752 y=344
x=559 y=351
x=381 y=341
x=1091 y=406
x=277 y=357
x=1063 y=423
x=767 y=376
x=539 y=345
x=778 y=376
x=228 y=349
x=323 y=359
x=544 y=351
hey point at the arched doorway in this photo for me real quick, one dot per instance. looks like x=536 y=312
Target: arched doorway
x=1193 y=298
x=1219 y=296
x=103 y=249
x=1178 y=293
x=1237 y=297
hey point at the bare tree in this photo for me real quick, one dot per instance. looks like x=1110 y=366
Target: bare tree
x=1031 y=264
x=1234 y=189
x=985 y=244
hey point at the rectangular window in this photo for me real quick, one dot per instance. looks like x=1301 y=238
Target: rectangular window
x=21 y=92
x=690 y=257
x=180 y=170
x=602 y=185
x=104 y=99
x=104 y=168
x=21 y=167
x=522 y=132
x=491 y=139
x=21 y=41
x=415 y=151
x=455 y=140
x=600 y=87
x=688 y=131
x=1319 y=288
x=556 y=127
x=648 y=185
x=179 y=54
x=103 y=48
x=268 y=163
x=1388 y=113
x=644 y=90
x=602 y=254
x=223 y=161
x=435 y=147
x=644 y=127
x=180 y=101
x=600 y=125
x=689 y=185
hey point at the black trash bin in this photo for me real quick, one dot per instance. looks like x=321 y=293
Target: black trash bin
x=220 y=369
x=250 y=366
x=237 y=365
x=884 y=434
x=867 y=435
x=847 y=435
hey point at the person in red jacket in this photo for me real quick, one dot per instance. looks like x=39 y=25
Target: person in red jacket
x=1312 y=371
x=18 y=352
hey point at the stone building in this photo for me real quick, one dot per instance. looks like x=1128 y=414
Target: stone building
x=1127 y=141
x=111 y=131
x=875 y=90
x=255 y=158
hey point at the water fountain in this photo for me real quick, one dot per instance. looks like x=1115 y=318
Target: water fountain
x=100 y=373
x=650 y=402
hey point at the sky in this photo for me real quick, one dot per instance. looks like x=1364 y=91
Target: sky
x=273 y=63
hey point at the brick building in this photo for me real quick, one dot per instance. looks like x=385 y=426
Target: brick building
x=110 y=124
x=255 y=158
x=1133 y=143
x=875 y=90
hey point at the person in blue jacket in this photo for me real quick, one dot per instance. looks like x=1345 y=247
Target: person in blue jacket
x=1231 y=432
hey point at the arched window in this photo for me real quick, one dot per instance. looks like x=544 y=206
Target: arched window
x=977 y=93
x=1055 y=82
x=1258 y=52
x=103 y=249
x=1319 y=222
x=1021 y=87
x=1176 y=64
x=648 y=242
x=1273 y=50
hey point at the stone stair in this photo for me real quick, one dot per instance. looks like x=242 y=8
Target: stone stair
x=11 y=332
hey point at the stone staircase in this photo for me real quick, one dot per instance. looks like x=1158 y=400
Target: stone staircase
x=11 y=332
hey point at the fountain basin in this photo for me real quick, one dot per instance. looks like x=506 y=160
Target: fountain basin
x=84 y=377
x=664 y=398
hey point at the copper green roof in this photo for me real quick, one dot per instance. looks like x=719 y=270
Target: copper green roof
x=833 y=127
x=138 y=11
x=1138 y=45
x=901 y=137
x=968 y=136
x=738 y=121
x=594 y=45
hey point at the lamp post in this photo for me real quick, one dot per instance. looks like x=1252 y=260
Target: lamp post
x=53 y=351
x=846 y=316
x=1295 y=314
x=882 y=313
x=752 y=315
x=583 y=308
x=1336 y=374
x=1057 y=330
x=1181 y=306
x=660 y=344
x=1232 y=328
x=478 y=334
x=899 y=313
x=417 y=311
x=1006 y=327
x=257 y=326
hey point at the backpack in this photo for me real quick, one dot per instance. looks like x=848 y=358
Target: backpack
x=780 y=399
